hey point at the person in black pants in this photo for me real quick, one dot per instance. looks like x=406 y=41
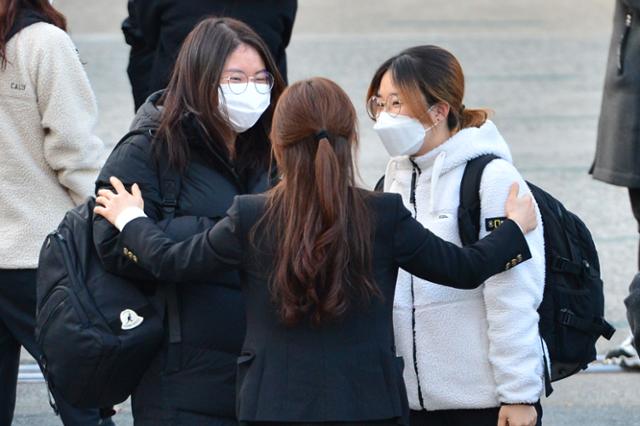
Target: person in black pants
x=633 y=310
x=17 y=325
x=47 y=146
x=617 y=159
x=217 y=139
x=319 y=259
x=155 y=30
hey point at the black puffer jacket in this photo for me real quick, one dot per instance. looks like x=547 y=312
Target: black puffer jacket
x=211 y=310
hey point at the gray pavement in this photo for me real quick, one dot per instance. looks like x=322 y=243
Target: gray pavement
x=538 y=65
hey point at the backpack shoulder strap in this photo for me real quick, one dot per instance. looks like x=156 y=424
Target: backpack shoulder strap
x=147 y=131
x=379 y=185
x=469 y=208
x=170 y=183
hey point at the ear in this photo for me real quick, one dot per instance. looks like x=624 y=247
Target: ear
x=440 y=111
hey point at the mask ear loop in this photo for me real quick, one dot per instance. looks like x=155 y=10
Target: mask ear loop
x=426 y=129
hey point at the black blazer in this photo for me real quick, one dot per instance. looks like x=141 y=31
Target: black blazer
x=344 y=371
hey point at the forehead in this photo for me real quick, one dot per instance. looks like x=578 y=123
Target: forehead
x=246 y=59
x=387 y=85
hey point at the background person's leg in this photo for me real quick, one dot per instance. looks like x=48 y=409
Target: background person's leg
x=626 y=354
x=9 y=364
x=634 y=198
x=18 y=307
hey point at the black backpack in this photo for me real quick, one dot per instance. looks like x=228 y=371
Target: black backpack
x=572 y=308
x=98 y=331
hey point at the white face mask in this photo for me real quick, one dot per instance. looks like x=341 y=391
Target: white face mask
x=243 y=110
x=400 y=135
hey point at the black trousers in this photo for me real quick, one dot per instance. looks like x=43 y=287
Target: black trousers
x=17 y=326
x=478 y=417
x=367 y=423
x=634 y=197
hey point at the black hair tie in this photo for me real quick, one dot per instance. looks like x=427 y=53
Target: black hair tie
x=321 y=134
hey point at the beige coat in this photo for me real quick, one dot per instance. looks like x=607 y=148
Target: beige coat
x=49 y=156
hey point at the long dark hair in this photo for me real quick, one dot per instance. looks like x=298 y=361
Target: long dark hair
x=193 y=90
x=426 y=75
x=10 y=12
x=317 y=217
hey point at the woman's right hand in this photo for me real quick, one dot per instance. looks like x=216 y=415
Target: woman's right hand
x=521 y=209
x=110 y=205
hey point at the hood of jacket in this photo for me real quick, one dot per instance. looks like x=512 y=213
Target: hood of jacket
x=148 y=115
x=465 y=145
x=25 y=18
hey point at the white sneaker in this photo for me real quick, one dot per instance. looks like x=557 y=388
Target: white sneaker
x=624 y=355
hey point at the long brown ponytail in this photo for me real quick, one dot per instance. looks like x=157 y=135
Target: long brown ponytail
x=317 y=217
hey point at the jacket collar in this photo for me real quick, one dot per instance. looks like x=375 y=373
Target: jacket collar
x=465 y=145
x=26 y=17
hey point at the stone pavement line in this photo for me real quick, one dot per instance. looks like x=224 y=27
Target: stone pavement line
x=30 y=372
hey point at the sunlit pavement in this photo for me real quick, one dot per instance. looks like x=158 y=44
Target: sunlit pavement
x=538 y=65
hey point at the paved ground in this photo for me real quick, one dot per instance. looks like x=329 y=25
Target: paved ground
x=538 y=65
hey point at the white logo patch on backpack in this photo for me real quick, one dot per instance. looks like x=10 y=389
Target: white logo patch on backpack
x=130 y=319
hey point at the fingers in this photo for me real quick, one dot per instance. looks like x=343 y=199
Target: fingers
x=135 y=190
x=117 y=185
x=106 y=193
x=513 y=190
x=100 y=210
x=103 y=201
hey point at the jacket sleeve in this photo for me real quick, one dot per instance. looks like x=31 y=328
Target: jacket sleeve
x=633 y=310
x=291 y=10
x=132 y=162
x=215 y=250
x=512 y=298
x=634 y=4
x=149 y=13
x=69 y=113
x=422 y=253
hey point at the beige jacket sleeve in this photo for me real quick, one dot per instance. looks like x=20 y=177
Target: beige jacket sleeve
x=69 y=113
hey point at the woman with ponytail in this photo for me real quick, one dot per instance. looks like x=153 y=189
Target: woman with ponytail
x=318 y=259
x=474 y=357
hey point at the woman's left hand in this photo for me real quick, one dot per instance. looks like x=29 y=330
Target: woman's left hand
x=109 y=204
x=517 y=415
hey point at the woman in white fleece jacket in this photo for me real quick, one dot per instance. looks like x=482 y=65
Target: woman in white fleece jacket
x=474 y=357
x=50 y=158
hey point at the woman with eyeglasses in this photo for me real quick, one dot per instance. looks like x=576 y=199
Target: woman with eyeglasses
x=318 y=259
x=474 y=357
x=210 y=126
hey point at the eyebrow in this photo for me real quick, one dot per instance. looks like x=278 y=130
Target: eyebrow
x=239 y=70
x=392 y=93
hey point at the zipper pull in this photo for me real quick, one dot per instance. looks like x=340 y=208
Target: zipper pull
x=623 y=40
x=412 y=196
x=416 y=171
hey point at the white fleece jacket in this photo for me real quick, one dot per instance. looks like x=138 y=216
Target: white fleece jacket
x=49 y=154
x=474 y=348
